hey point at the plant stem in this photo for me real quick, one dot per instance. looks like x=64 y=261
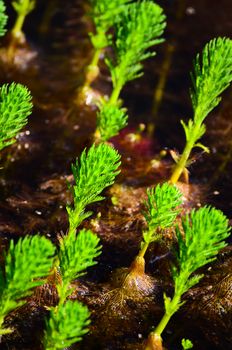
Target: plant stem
x=180 y=166
x=143 y=250
x=92 y=70
x=17 y=29
x=172 y=308
x=113 y=100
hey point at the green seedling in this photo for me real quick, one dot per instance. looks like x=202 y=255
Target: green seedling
x=140 y=27
x=104 y=14
x=22 y=8
x=186 y=344
x=66 y=325
x=76 y=254
x=93 y=172
x=161 y=211
x=110 y=120
x=68 y=321
x=211 y=76
x=202 y=235
x=15 y=107
x=3 y=18
x=28 y=263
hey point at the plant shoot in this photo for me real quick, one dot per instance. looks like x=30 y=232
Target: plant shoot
x=140 y=27
x=93 y=172
x=202 y=236
x=15 y=107
x=211 y=76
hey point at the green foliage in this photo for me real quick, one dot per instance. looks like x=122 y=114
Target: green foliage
x=28 y=263
x=24 y=7
x=68 y=320
x=104 y=14
x=186 y=344
x=66 y=325
x=15 y=107
x=202 y=235
x=139 y=28
x=76 y=254
x=211 y=76
x=3 y=18
x=161 y=209
x=93 y=172
x=110 y=120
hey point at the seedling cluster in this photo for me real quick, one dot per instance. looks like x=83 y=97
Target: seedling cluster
x=131 y=29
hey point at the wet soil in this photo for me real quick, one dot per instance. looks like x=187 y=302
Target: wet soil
x=34 y=173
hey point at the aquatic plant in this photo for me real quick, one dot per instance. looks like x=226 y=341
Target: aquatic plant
x=68 y=321
x=211 y=76
x=76 y=254
x=104 y=14
x=140 y=27
x=22 y=8
x=15 y=107
x=110 y=120
x=160 y=213
x=3 y=18
x=66 y=325
x=93 y=172
x=27 y=265
x=201 y=236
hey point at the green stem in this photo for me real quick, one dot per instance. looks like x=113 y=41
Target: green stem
x=17 y=29
x=143 y=250
x=96 y=57
x=113 y=100
x=92 y=70
x=173 y=306
x=180 y=166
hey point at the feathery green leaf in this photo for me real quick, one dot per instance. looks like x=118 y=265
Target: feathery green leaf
x=93 y=172
x=104 y=14
x=66 y=325
x=140 y=27
x=28 y=263
x=161 y=209
x=211 y=76
x=110 y=120
x=76 y=254
x=3 y=18
x=205 y=231
x=15 y=107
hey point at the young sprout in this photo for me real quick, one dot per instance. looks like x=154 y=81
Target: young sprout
x=66 y=325
x=15 y=107
x=186 y=344
x=3 y=18
x=68 y=320
x=93 y=172
x=110 y=120
x=76 y=254
x=161 y=211
x=23 y=8
x=28 y=263
x=104 y=14
x=202 y=235
x=211 y=76
x=139 y=28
